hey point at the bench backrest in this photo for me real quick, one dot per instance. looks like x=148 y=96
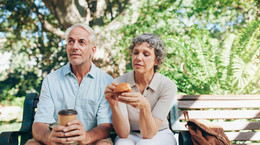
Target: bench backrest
x=30 y=105
x=239 y=115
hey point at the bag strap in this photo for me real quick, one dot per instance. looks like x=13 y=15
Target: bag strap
x=186 y=115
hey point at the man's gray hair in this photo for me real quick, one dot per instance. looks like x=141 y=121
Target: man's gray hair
x=154 y=42
x=92 y=33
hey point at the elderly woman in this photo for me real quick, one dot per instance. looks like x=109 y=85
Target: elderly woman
x=140 y=116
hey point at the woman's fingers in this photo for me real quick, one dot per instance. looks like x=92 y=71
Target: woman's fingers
x=127 y=99
x=136 y=100
x=133 y=94
x=110 y=87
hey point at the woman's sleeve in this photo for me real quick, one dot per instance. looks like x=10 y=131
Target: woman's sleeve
x=165 y=101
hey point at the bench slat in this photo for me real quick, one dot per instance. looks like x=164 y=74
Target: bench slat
x=243 y=136
x=222 y=114
x=239 y=115
x=248 y=144
x=219 y=104
x=218 y=97
x=231 y=126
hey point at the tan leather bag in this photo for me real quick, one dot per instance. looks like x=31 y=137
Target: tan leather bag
x=204 y=132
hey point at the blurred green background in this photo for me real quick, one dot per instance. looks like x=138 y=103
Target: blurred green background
x=213 y=45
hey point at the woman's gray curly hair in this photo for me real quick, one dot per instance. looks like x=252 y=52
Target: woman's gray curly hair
x=155 y=42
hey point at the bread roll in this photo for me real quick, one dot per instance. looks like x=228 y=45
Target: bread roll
x=122 y=87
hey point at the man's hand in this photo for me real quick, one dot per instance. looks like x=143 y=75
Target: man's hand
x=75 y=131
x=43 y=134
x=57 y=136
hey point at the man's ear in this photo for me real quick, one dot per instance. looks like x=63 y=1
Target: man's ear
x=93 y=49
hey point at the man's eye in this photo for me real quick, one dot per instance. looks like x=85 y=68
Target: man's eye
x=135 y=52
x=82 y=42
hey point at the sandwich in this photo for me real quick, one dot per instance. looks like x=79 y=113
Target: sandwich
x=122 y=87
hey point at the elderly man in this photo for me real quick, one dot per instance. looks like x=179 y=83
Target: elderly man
x=78 y=85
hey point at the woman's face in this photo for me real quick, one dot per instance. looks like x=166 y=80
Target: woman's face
x=143 y=58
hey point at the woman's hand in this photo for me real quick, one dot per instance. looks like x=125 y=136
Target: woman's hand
x=137 y=100
x=110 y=96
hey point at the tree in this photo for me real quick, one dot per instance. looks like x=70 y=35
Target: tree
x=34 y=31
x=205 y=58
x=35 y=36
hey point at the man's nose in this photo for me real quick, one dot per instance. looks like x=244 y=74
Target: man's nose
x=75 y=45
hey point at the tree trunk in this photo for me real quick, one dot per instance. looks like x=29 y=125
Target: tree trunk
x=69 y=12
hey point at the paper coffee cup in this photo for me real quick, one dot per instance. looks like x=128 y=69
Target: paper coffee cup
x=66 y=116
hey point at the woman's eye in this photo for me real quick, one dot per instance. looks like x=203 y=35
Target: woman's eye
x=146 y=54
x=136 y=52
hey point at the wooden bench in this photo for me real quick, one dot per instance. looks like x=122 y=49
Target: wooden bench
x=25 y=132
x=239 y=116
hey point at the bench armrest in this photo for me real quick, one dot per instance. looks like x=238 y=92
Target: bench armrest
x=185 y=138
x=10 y=137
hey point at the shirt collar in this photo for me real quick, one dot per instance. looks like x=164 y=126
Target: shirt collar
x=91 y=73
x=67 y=69
x=153 y=85
x=155 y=81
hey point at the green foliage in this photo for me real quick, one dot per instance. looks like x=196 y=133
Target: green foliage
x=247 y=59
x=19 y=101
x=202 y=59
x=205 y=67
x=35 y=52
x=213 y=46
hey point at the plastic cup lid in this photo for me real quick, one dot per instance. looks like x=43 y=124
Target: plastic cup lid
x=67 y=112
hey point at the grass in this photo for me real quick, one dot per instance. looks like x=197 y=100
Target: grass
x=12 y=125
